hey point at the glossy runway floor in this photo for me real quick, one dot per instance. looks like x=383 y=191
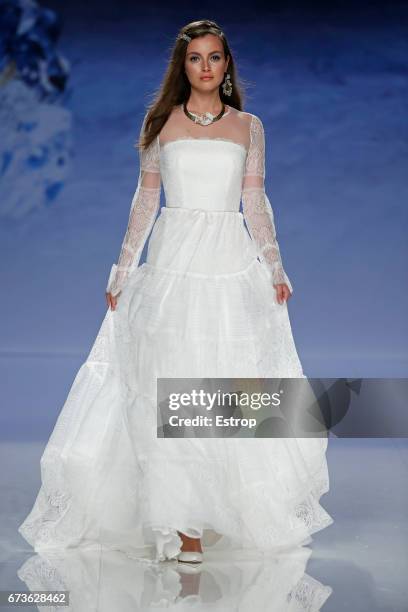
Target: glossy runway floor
x=359 y=563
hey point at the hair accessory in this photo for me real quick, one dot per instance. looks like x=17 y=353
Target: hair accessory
x=185 y=36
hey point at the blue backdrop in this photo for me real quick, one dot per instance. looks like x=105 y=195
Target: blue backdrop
x=329 y=84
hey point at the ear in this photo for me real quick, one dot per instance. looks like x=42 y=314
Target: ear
x=228 y=61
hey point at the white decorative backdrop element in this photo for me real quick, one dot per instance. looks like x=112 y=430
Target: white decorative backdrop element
x=35 y=150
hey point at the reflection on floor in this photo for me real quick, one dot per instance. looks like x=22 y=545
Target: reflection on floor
x=360 y=562
x=115 y=582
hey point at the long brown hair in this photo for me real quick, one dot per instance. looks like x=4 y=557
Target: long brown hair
x=175 y=88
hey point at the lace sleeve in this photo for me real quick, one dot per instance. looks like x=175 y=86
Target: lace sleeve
x=256 y=207
x=143 y=211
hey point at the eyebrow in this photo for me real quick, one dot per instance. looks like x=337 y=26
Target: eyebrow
x=197 y=53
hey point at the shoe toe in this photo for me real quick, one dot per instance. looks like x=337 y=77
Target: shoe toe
x=190 y=557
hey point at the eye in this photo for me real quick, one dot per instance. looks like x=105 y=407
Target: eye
x=215 y=57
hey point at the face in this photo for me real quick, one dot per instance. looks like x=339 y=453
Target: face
x=205 y=58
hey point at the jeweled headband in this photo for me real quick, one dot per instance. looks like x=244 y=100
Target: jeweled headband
x=188 y=38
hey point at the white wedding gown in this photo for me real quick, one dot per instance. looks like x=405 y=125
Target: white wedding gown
x=202 y=305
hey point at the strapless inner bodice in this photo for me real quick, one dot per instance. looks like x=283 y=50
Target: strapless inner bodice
x=203 y=173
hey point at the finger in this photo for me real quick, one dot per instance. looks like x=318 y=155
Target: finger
x=283 y=294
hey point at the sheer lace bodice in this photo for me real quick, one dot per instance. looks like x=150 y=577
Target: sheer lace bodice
x=207 y=169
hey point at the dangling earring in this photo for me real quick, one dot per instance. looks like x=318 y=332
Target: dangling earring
x=227 y=85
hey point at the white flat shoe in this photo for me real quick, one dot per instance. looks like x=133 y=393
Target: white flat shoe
x=193 y=569
x=188 y=556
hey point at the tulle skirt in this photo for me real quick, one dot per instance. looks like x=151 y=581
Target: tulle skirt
x=202 y=305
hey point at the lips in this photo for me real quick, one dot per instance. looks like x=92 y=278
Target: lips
x=207 y=78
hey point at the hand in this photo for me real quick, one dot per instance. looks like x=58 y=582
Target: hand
x=112 y=300
x=282 y=292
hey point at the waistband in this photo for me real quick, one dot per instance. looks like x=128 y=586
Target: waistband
x=200 y=211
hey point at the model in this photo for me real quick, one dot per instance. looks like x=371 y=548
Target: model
x=210 y=301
